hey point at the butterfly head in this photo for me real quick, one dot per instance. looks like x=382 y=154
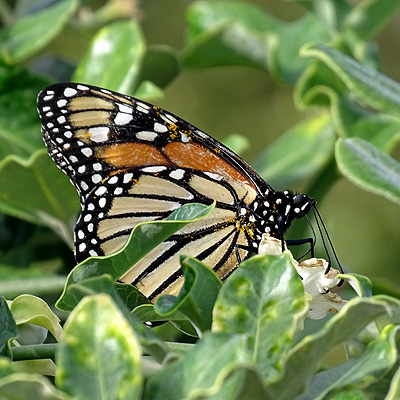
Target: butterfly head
x=302 y=204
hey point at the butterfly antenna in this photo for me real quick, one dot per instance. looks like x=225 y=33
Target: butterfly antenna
x=314 y=240
x=324 y=232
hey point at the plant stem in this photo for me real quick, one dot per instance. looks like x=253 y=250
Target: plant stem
x=34 y=352
x=179 y=348
x=36 y=286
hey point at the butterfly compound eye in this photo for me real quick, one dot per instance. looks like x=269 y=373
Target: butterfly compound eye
x=302 y=204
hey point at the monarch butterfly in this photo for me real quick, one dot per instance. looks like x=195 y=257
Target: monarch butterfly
x=133 y=162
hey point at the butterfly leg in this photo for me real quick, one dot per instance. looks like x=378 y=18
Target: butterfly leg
x=240 y=246
x=298 y=242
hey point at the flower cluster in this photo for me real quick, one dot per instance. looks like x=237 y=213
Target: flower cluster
x=316 y=282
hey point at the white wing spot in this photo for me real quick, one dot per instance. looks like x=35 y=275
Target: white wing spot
x=123 y=119
x=118 y=191
x=96 y=178
x=125 y=108
x=97 y=167
x=185 y=138
x=113 y=180
x=82 y=169
x=61 y=119
x=147 y=135
x=69 y=92
x=92 y=253
x=100 y=191
x=62 y=103
x=82 y=247
x=87 y=151
x=154 y=169
x=87 y=217
x=102 y=202
x=128 y=177
x=99 y=133
x=177 y=174
x=160 y=128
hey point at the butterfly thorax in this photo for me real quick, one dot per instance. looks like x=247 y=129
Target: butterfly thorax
x=274 y=212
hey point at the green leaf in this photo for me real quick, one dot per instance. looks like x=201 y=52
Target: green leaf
x=197 y=296
x=148 y=91
x=250 y=303
x=285 y=63
x=227 y=33
x=28 y=309
x=143 y=238
x=298 y=154
x=381 y=130
x=303 y=362
x=99 y=355
x=114 y=58
x=369 y=168
x=361 y=284
x=368 y=17
x=378 y=358
x=6 y=367
x=219 y=355
x=22 y=386
x=130 y=295
x=160 y=65
x=32 y=32
x=394 y=390
x=52 y=201
x=41 y=367
x=19 y=123
x=330 y=13
x=371 y=88
x=8 y=327
x=103 y=284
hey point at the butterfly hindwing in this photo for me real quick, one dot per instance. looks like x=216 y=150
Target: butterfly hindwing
x=152 y=193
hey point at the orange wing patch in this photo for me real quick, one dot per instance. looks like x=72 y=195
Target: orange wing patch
x=196 y=156
x=125 y=155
